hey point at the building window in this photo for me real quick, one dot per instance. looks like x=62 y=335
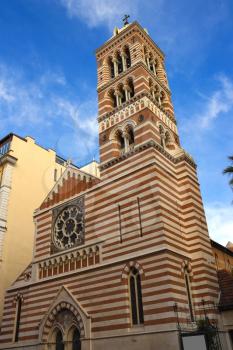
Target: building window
x=1 y=174
x=120 y=140
x=136 y=305
x=76 y=342
x=162 y=135
x=189 y=293
x=59 y=340
x=231 y=337
x=216 y=260
x=4 y=148
x=55 y=175
x=17 y=317
x=111 y=67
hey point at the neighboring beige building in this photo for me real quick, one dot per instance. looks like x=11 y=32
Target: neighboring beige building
x=223 y=256
x=27 y=173
x=92 y=168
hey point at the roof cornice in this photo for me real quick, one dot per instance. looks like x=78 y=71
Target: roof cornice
x=113 y=40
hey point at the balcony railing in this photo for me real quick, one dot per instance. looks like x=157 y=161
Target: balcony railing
x=4 y=148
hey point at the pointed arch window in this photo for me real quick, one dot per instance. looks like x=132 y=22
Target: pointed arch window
x=131 y=136
x=111 y=67
x=189 y=293
x=59 y=340
x=136 y=305
x=76 y=342
x=131 y=87
x=128 y=58
x=17 y=317
x=119 y=63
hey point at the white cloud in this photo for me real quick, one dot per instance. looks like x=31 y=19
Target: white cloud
x=220 y=222
x=220 y=102
x=209 y=108
x=81 y=140
x=5 y=93
x=100 y=12
x=47 y=104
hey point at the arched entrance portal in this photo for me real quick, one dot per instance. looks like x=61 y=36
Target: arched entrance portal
x=66 y=332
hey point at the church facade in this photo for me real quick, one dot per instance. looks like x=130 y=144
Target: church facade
x=123 y=260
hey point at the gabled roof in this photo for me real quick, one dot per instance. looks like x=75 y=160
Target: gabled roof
x=72 y=182
x=225 y=279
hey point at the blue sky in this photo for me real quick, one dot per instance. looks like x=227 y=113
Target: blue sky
x=48 y=79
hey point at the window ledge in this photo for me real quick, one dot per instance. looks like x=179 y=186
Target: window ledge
x=138 y=327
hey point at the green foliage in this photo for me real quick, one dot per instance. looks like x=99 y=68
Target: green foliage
x=229 y=170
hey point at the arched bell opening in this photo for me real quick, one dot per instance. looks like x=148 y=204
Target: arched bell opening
x=151 y=62
x=113 y=98
x=130 y=87
x=111 y=67
x=121 y=94
x=127 y=57
x=120 y=140
x=119 y=63
x=129 y=131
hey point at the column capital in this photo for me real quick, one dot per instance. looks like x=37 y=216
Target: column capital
x=126 y=87
x=117 y=93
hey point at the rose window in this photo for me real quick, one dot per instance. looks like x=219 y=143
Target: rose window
x=68 y=228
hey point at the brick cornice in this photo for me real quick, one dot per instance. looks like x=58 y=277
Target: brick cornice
x=128 y=103
x=115 y=40
x=149 y=144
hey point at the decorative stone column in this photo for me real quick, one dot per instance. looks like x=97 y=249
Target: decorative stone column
x=163 y=139
x=158 y=96
x=147 y=61
x=153 y=92
x=126 y=139
x=118 y=97
x=123 y=55
x=115 y=63
x=127 y=92
x=154 y=67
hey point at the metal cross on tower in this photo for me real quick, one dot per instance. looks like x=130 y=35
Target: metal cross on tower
x=125 y=20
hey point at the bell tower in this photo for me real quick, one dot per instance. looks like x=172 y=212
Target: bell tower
x=134 y=99
x=138 y=135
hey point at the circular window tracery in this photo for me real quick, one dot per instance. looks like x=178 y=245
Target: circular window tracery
x=68 y=228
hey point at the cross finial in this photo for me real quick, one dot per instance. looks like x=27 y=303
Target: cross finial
x=125 y=19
